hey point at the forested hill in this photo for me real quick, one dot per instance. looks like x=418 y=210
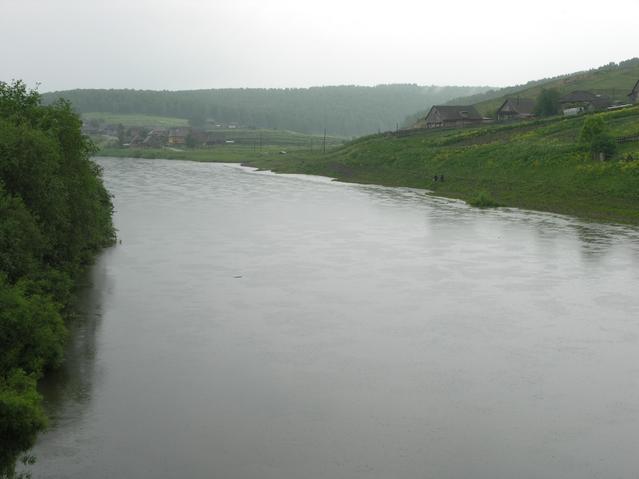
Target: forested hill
x=343 y=110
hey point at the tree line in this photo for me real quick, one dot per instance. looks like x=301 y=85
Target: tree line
x=345 y=111
x=55 y=214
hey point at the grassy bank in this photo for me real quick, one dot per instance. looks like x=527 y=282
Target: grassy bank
x=536 y=165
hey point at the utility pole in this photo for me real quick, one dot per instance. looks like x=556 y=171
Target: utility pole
x=324 y=140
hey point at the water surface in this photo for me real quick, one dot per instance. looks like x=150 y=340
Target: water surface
x=257 y=326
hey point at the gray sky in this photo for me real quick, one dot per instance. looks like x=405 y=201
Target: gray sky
x=186 y=44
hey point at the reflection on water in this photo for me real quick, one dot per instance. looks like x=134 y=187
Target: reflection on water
x=253 y=325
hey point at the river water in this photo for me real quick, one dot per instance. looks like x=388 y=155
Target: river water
x=261 y=326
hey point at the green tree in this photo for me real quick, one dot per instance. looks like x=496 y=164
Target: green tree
x=21 y=417
x=596 y=138
x=547 y=103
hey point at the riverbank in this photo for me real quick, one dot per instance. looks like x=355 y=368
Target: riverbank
x=535 y=165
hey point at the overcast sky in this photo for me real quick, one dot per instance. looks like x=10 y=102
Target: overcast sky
x=187 y=44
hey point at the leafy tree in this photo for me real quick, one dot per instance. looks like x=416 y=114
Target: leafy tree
x=547 y=103
x=596 y=138
x=21 y=241
x=21 y=417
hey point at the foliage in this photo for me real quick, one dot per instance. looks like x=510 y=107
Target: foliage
x=547 y=103
x=21 y=417
x=596 y=138
x=483 y=200
x=55 y=214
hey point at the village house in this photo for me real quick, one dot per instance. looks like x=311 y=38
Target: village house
x=516 y=109
x=198 y=137
x=580 y=101
x=634 y=94
x=177 y=136
x=450 y=116
x=156 y=138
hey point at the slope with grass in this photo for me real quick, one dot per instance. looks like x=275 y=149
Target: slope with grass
x=613 y=80
x=537 y=165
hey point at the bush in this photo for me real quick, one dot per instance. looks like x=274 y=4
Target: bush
x=21 y=417
x=595 y=137
x=547 y=103
x=483 y=200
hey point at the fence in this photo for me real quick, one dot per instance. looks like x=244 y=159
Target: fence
x=627 y=139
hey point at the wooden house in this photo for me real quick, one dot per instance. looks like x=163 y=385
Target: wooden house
x=177 y=136
x=634 y=94
x=584 y=101
x=516 y=109
x=450 y=116
x=156 y=138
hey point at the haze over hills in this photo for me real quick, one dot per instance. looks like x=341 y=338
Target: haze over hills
x=345 y=111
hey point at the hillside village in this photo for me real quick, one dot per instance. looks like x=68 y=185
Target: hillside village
x=517 y=108
x=157 y=137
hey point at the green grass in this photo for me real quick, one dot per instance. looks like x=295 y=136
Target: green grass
x=283 y=138
x=136 y=120
x=536 y=165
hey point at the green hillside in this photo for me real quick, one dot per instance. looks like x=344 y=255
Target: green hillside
x=537 y=165
x=614 y=80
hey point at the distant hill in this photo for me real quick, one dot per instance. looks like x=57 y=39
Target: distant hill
x=345 y=111
x=614 y=79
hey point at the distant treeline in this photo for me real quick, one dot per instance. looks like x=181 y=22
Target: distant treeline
x=55 y=214
x=343 y=110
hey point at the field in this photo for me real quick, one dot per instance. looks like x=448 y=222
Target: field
x=136 y=120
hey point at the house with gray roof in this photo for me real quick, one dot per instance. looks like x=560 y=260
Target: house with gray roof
x=450 y=116
x=584 y=101
x=516 y=108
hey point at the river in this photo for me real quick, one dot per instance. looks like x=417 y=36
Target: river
x=261 y=326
